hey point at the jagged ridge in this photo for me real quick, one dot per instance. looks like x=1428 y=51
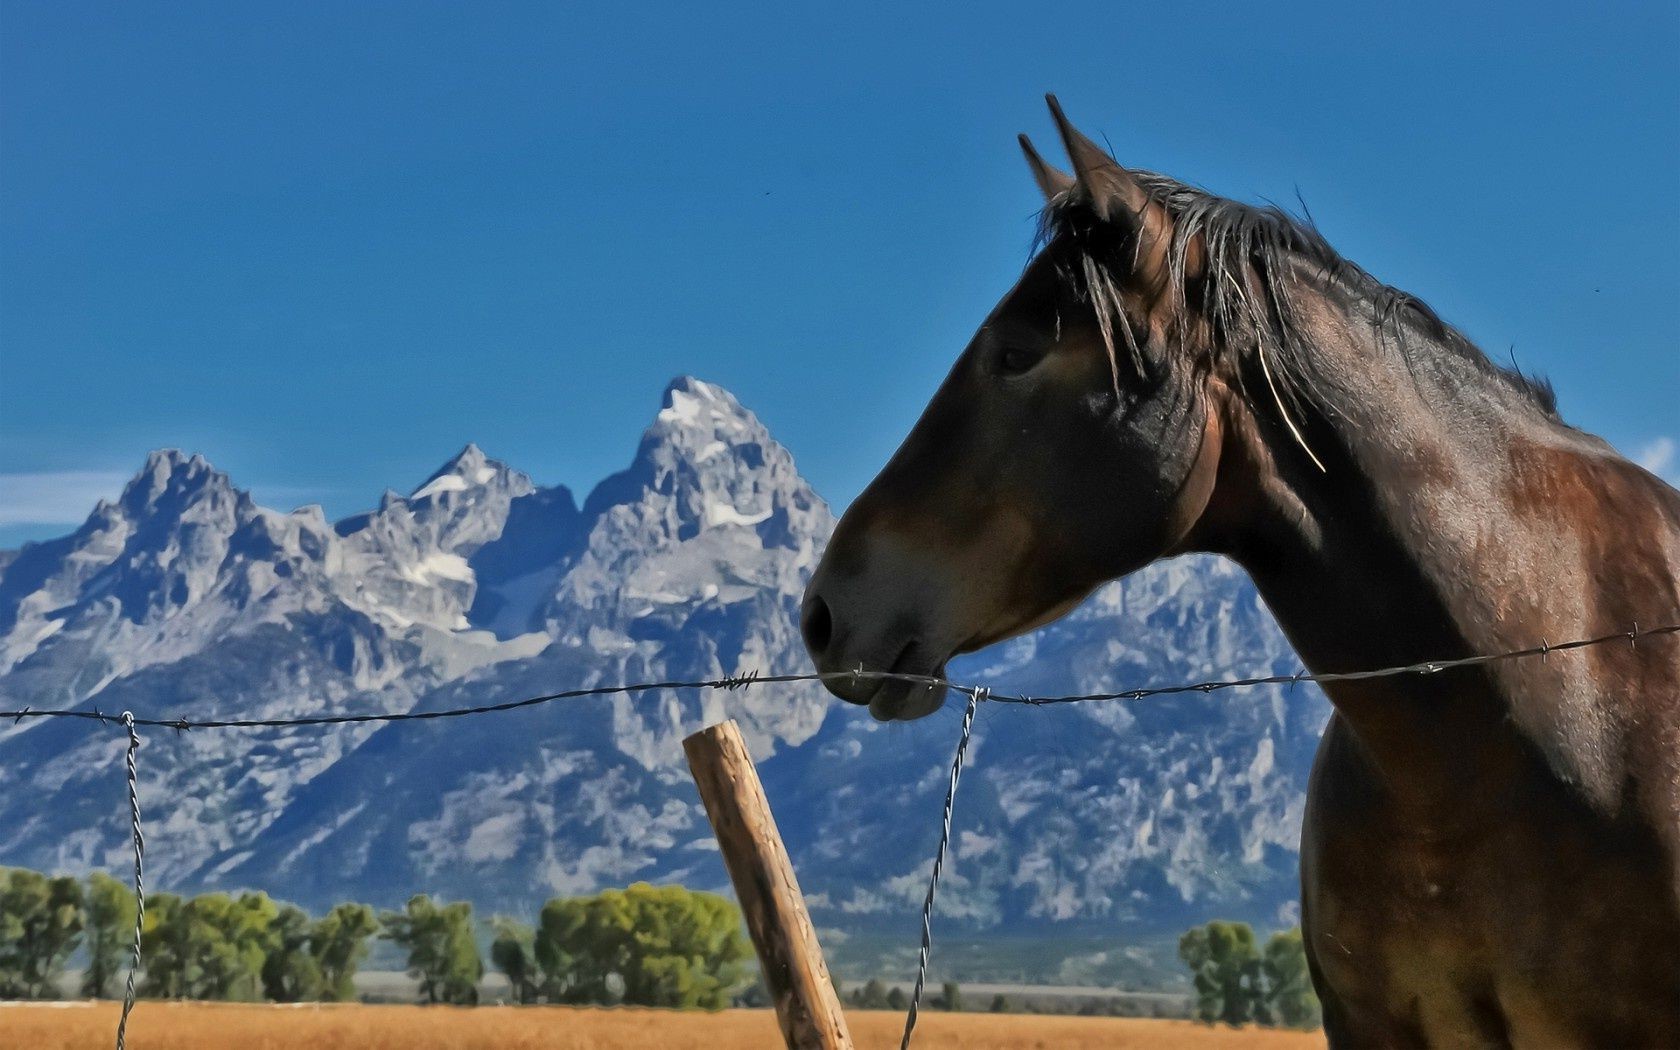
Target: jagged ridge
x=183 y=596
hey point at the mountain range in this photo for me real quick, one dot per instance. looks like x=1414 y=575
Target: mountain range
x=184 y=598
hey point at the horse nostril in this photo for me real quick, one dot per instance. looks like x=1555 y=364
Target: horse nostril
x=817 y=625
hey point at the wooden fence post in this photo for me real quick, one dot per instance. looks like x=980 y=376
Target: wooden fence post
x=806 y=1004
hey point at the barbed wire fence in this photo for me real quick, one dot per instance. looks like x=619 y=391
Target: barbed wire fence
x=976 y=694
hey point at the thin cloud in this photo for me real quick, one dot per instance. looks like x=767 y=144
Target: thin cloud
x=63 y=497
x=1658 y=457
x=67 y=497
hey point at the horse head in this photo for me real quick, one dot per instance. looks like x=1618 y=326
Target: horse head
x=1071 y=443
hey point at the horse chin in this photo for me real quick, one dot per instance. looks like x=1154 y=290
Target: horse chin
x=907 y=701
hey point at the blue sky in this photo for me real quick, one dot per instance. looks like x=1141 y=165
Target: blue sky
x=326 y=245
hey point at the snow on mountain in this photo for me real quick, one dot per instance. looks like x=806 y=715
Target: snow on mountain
x=185 y=598
x=407 y=562
x=694 y=562
x=181 y=558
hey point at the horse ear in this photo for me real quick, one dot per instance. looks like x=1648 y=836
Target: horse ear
x=1052 y=181
x=1105 y=183
x=1116 y=196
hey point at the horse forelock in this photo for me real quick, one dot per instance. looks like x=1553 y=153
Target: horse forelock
x=1250 y=290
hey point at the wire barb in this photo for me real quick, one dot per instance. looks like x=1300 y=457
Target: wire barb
x=739 y=681
x=855 y=676
x=976 y=695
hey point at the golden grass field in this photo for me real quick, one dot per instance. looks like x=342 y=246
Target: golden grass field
x=214 y=1026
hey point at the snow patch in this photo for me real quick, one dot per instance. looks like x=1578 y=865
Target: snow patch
x=438 y=566
x=684 y=409
x=724 y=514
x=445 y=483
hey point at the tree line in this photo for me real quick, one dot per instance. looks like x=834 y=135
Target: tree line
x=213 y=946
x=1238 y=981
x=645 y=946
x=649 y=946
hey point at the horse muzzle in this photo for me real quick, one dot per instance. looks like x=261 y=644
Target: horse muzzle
x=853 y=656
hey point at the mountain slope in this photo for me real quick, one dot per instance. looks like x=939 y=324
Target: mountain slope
x=185 y=598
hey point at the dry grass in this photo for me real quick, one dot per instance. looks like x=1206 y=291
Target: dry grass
x=202 y=1026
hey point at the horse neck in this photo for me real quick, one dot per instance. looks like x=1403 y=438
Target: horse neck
x=1407 y=546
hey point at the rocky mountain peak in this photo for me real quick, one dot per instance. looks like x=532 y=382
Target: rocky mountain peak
x=697 y=423
x=705 y=462
x=184 y=597
x=467 y=470
x=409 y=561
x=709 y=476
x=169 y=481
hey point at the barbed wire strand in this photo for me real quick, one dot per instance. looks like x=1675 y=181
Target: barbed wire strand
x=976 y=695
x=967 y=733
x=139 y=875
x=753 y=678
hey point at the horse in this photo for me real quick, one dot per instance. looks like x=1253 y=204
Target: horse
x=1490 y=854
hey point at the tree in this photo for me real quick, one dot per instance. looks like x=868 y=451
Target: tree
x=665 y=946
x=1000 y=1004
x=290 y=972
x=235 y=934
x=109 y=916
x=1289 y=996
x=1225 y=967
x=169 y=955
x=514 y=953
x=442 y=954
x=339 y=944
x=40 y=925
x=872 y=996
x=897 y=1000
x=210 y=947
x=951 y=997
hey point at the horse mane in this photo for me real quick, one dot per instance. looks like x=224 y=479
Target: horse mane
x=1248 y=246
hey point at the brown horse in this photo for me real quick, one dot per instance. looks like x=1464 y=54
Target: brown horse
x=1491 y=855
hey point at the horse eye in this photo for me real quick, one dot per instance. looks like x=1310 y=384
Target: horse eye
x=1015 y=360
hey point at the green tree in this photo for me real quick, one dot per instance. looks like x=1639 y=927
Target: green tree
x=40 y=925
x=872 y=996
x=950 y=997
x=442 y=954
x=210 y=947
x=1225 y=967
x=170 y=962
x=514 y=953
x=1000 y=1004
x=897 y=1000
x=290 y=971
x=109 y=914
x=1289 y=996
x=339 y=944
x=236 y=934
x=665 y=946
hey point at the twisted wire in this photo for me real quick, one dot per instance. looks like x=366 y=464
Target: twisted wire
x=974 y=699
x=750 y=679
x=976 y=695
x=139 y=875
